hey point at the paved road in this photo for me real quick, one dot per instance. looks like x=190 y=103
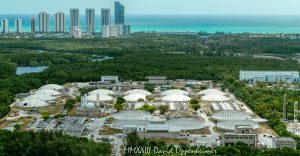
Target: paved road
x=207 y=122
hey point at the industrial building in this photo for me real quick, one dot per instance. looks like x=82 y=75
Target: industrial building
x=243 y=133
x=269 y=76
x=284 y=142
x=157 y=79
x=109 y=79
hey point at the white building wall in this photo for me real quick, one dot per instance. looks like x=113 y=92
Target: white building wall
x=4 y=23
x=270 y=76
x=18 y=25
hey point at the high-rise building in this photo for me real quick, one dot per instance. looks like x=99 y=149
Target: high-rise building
x=77 y=32
x=119 y=13
x=105 y=17
x=4 y=22
x=74 y=19
x=105 y=31
x=90 y=20
x=18 y=25
x=44 y=22
x=60 y=22
x=32 y=24
x=127 y=30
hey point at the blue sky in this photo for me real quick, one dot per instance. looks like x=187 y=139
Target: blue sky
x=266 y=7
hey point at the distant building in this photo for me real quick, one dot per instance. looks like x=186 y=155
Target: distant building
x=115 y=31
x=127 y=30
x=282 y=142
x=109 y=79
x=243 y=133
x=269 y=76
x=44 y=22
x=32 y=24
x=77 y=32
x=5 y=28
x=74 y=20
x=157 y=79
x=90 y=20
x=60 y=22
x=18 y=25
x=105 y=17
x=119 y=13
x=105 y=31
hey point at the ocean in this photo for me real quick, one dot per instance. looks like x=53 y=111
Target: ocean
x=195 y=23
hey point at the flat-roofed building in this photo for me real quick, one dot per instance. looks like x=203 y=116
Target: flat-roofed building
x=109 y=79
x=284 y=142
x=269 y=76
x=243 y=133
x=157 y=79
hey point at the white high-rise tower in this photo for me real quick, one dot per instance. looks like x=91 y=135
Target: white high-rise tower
x=74 y=20
x=18 y=25
x=90 y=20
x=60 y=22
x=4 y=22
x=44 y=22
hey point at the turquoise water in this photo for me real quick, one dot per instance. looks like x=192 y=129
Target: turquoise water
x=195 y=23
x=25 y=70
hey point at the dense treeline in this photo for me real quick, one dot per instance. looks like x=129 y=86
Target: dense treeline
x=142 y=42
x=49 y=144
x=157 y=147
x=267 y=103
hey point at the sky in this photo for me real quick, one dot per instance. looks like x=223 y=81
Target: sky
x=137 y=7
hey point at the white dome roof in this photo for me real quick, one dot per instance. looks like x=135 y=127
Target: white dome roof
x=214 y=97
x=176 y=98
x=52 y=87
x=211 y=91
x=102 y=97
x=174 y=91
x=135 y=97
x=47 y=92
x=138 y=91
x=32 y=103
x=102 y=91
x=43 y=97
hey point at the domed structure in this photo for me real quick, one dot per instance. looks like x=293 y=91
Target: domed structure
x=102 y=91
x=211 y=91
x=135 y=97
x=47 y=92
x=43 y=97
x=138 y=91
x=176 y=98
x=52 y=87
x=174 y=92
x=99 y=97
x=32 y=103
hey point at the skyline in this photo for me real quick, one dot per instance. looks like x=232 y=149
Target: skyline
x=142 y=7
